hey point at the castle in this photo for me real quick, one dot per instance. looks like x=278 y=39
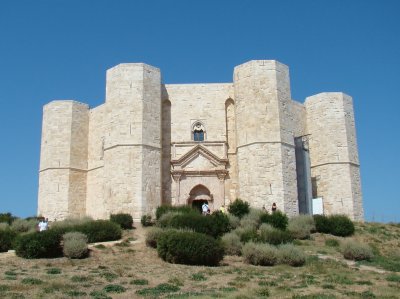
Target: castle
x=152 y=143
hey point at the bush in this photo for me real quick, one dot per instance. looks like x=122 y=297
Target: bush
x=4 y=226
x=7 y=237
x=165 y=219
x=125 y=221
x=246 y=234
x=161 y=210
x=69 y=223
x=332 y=242
x=277 y=219
x=234 y=221
x=239 y=208
x=7 y=218
x=146 y=220
x=189 y=248
x=231 y=243
x=252 y=218
x=100 y=231
x=214 y=225
x=23 y=226
x=353 y=250
x=291 y=255
x=322 y=224
x=152 y=236
x=300 y=227
x=46 y=244
x=260 y=254
x=341 y=225
x=274 y=236
x=337 y=225
x=75 y=245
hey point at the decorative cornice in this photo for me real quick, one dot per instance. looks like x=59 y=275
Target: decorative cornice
x=199 y=149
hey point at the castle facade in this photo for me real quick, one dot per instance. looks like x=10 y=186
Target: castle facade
x=152 y=143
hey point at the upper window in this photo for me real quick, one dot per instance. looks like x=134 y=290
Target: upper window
x=198 y=132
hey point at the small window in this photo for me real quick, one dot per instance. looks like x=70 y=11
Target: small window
x=198 y=132
x=198 y=135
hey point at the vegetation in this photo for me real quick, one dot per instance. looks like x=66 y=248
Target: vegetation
x=260 y=254
x=239 y=208
x=146 y=220
x=75 y=245
x=45 y=244
x=125 y=221
x=337 y=225
x=189 y=248
x=161 y=210
x=301 y=227
x=277 y=219
x=353 y=250
x=7 y=237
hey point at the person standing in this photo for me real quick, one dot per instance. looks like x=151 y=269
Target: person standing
x=205 y=209
x=273 y=208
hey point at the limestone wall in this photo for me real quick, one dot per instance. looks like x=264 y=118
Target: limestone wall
x=265 y=150
x=333 y=153
x=132 y=141
x=63 y=161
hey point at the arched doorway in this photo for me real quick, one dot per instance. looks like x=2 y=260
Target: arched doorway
x=198 y=195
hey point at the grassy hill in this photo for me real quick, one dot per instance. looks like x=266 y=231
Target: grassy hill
x=129 y=269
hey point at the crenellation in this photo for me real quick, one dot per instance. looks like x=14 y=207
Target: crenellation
x=152 y=143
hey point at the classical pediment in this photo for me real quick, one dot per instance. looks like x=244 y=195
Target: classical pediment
x=199 y=158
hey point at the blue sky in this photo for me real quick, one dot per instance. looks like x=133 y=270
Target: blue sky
x=61 y=50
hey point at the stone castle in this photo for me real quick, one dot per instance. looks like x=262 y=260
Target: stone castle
x=152 y=143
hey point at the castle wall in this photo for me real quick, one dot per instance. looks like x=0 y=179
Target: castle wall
x=132 y=140
x=333 y=153
x=265 y=145
x=63 y=161
x=95 y=176
x=118 y=157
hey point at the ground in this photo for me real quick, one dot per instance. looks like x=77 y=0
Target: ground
x=131 y=270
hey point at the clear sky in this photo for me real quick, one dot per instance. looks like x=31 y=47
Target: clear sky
x=61 y=50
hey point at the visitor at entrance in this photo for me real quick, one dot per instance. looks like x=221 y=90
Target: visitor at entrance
x=274 y=207
x=205 y=209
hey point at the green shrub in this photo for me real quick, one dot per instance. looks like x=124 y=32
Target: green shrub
x=252 y=218
x=291 y=255
x=332 y=242
x=165 y=218
x=4 y=226
x=161 y=210
x=322 y=224
x=54 y=271
x=214 y=225
x=189 y=248
x=69 y=223
x=274 y=236
x=22 y=225
x=341 y=225
x=300 y=227
x=353 y=250
x=277 y=219
x=260 y=254
x=31 y=281
x=125 y=221
x=99 y=230
x=152 y=236
x=7 y=217
x=337 y=225
x=239 y=208
x=146 y=220
x=7 y=237
x=158 y=290
x=247 y=234
x=75 y=245
x=46 y=244
x=114 y=288
x=231 y=243
x=234 y=221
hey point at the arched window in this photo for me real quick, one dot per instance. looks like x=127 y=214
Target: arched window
x=198 y=132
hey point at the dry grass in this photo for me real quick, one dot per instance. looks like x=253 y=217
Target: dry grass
x=134 y=269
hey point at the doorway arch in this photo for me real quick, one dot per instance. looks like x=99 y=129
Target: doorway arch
x=198 y=195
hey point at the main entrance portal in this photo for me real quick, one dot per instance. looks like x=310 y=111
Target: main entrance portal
x=199 y=195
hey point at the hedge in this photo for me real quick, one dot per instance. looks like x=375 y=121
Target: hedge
x=276 y=219
x=125 y=221
x=7 y=237
x=239 y=208
x=337 y=225
x=190 y=248
x=161 y=210
x=46 y=244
